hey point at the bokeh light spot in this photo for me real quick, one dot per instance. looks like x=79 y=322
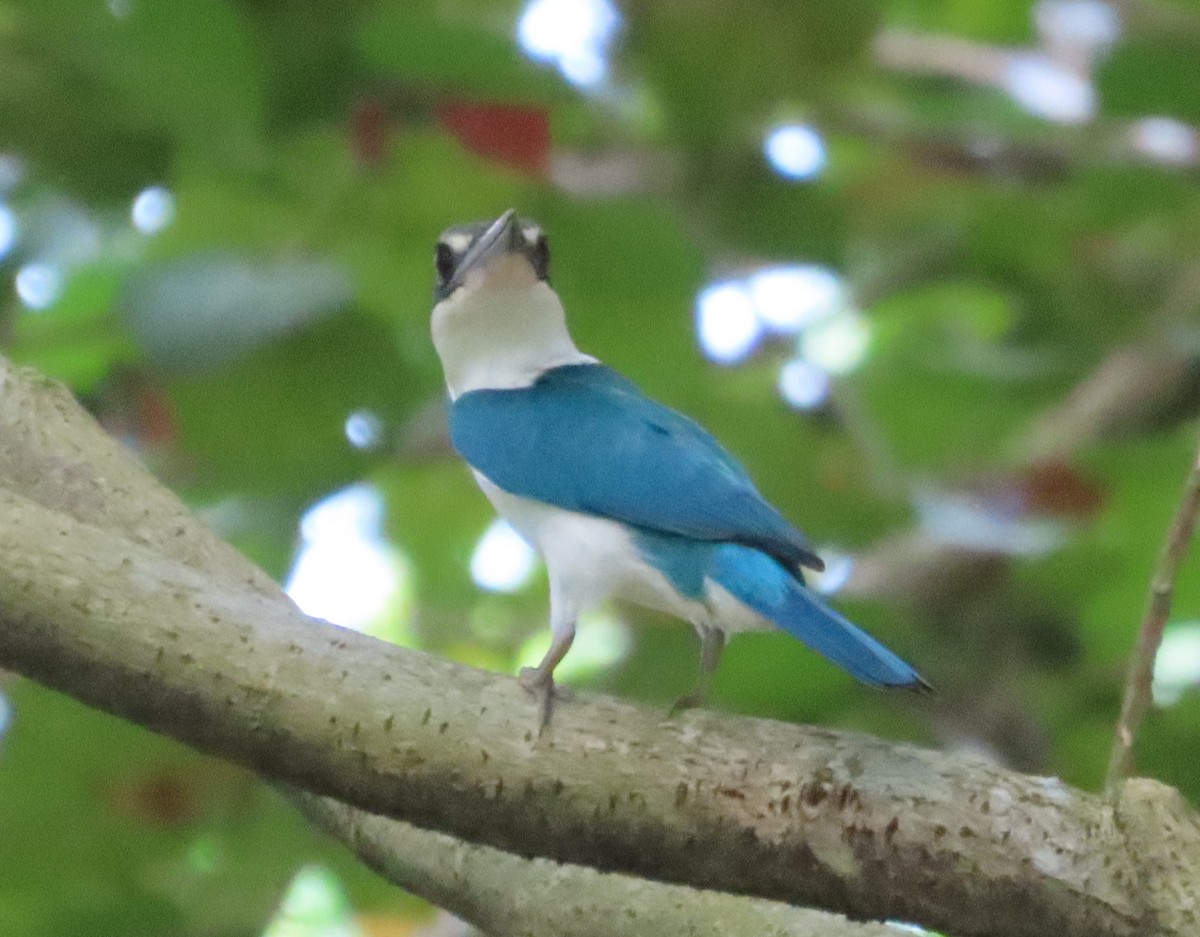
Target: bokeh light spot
x=345 y=571
x=38 y=285
x=364 y=429
x=574 y=35
x=791 y=296
x=795 y=151
x=314 y=906
x=1090 y=25
x=502 y=560
x=803 y=385
x=727 y=323
x=965 y=520
x=839 y=567
x=838 y=344
x=153 y=209
x=1177 y=665
x=1165 y=140
x=6 y=716
x=1049 y=89
x=8 y=231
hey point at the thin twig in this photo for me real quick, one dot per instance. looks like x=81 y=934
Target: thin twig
x=1158 y=608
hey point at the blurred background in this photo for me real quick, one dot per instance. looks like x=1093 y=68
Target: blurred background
x=931 y=268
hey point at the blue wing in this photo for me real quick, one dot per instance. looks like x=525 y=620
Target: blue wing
x=584 y=438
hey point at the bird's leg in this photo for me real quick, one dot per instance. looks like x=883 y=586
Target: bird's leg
x=712 y=643
x=539 y=680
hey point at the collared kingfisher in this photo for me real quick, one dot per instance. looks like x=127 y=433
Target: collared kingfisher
x=623 y=497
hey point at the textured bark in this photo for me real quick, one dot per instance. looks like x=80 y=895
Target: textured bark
x=109 y=591
x=508 y=896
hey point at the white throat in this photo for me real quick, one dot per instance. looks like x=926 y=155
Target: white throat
x=501 y=337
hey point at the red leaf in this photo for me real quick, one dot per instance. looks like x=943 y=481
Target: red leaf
x=515 y=135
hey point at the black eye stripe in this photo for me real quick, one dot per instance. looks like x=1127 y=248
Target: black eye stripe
x=457 y=243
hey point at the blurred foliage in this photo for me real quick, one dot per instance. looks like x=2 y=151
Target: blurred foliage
x=313 y=152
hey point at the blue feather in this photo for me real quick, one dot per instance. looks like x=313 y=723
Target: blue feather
x=584 y=438
x=757 y=580
x=761 y=583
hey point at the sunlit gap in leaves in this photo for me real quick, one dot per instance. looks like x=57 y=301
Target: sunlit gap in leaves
x=502 y=561
x=839 y=567
x=795 y=151
x=1049 y=89
x=601 y=642
x=9 y=230
x=152 y=210
x=727 y=324
x=1165 y=140
x=790 y=297
x=6 y=718
x=1054 y=81
x=1090 y=27
x=314 y=905
x=807 y=301
x=803 y=386
x=364 y=429
x=837 y=344
x=572 y=35
x=972 y=522
x=346 y=571
x=38 y=285
x=1177 y=665
x=70 y=237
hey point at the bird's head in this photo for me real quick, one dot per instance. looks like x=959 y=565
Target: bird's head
x=486 y=257
x=496 y=321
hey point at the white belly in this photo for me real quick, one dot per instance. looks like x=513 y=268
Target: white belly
x=591 y=559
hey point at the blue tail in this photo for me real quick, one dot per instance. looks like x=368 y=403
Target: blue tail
x=759 y=581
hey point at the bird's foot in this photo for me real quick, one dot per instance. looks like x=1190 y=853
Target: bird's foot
x=541 y=685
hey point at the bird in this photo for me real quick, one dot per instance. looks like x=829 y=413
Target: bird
x=623 y=497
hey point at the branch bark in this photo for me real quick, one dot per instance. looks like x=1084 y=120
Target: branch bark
x=109 y=591
x=508 y=896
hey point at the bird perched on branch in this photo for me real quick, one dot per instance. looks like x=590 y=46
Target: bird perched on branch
x=623 y=497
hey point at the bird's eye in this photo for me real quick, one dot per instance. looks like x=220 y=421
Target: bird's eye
x=540 y=257
x=444 y=260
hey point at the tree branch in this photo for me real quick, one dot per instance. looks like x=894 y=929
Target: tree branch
x=507 y=896
x=1158 y=609
x=109 y=591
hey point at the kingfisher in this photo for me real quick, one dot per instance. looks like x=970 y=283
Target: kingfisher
x=623 y=497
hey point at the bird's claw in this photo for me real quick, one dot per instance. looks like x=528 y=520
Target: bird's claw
x=543 y=688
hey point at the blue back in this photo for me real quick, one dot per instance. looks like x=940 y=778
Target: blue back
x=586 y=439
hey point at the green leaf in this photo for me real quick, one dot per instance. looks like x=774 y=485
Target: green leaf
x=419 y=44
x=1142 y=77
x=274 y=423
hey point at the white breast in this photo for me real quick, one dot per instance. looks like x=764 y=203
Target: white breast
x=594 y=559
x=501 y=337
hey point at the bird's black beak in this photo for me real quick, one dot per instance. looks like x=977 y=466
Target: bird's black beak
x=503 y=237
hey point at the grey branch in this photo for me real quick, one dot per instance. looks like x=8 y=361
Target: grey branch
x=507 y=896
x=111 y=592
